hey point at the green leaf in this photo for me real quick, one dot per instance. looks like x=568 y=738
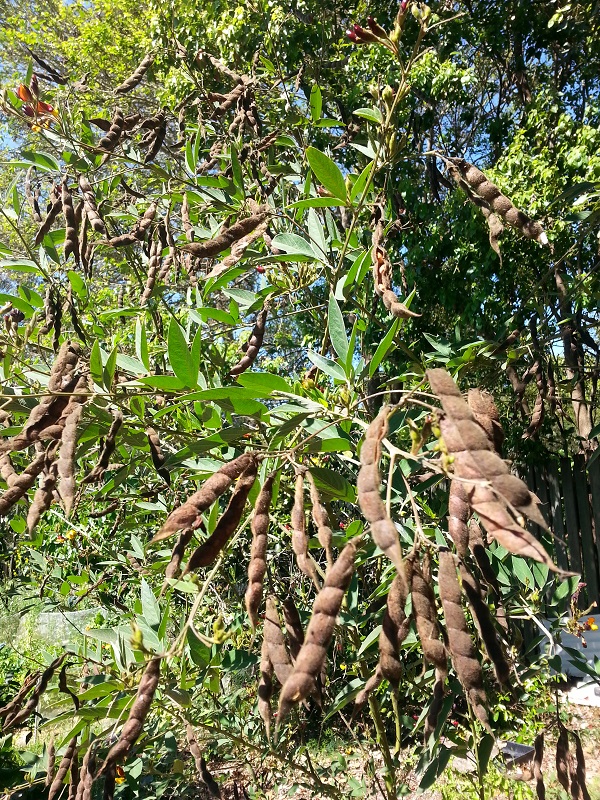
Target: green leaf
x=17 y=302
x=315 y=102
x=150 y=607
x=20 y=265
x=333 y=484
x=264 y=382
x=166 y=383
x=372 y=114
x=327 y=366
x=384 y=347
x=96 y=364
x=337 y=329
x=180 y=357
x=295 y=246
x=327 y=172
x=141 y=343
x=360 y=183
x=317 y=202
x=41 y=160
x=108 y=373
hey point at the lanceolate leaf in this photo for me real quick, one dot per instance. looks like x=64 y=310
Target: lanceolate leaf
x=180 y=357
x=327 y=172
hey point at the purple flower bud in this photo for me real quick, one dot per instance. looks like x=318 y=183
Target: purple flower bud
x=352 y=36
x=358 y=29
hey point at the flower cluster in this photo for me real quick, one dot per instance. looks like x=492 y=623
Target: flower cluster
x=39 y=112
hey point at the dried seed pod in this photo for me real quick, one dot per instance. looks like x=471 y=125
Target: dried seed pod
x=110 y=780
x=237 y=250
x=303 y=680
x=293 y=626
x=145 y=221
x=485 y=412
x=50 y=758
x=485 y=624
x=203 y=773
x=189 y=514
x=265 y=687
x=66 y=459
x=493 y=198
x=212 y=247
x=49 y=311
x=31 y=198
x=275 y=644
x=383 y=530
x=537 y=766
x=136 y=76
x=394 y=630
x=53 y=212
x=113 y=136
x=299 y=537
x=137 y=716
x=42 y=499
x=253 y=345
x=579 y=790
x=21 y=484
x=258 y=554
x=63 y=768
x=7 y=471
x=321 y=520
x=373 y=683
x=74 y=776
x=153 y=265
x=19 y=714
x=91 y=209
x=15 y=705
x=425 y=612
x=497 y=497
x=108 y=448
x=157 y=140
x=173 y=569
x=156 y=453
x=86 y=774
x=71 y=238
x=496 y=229
x=208 y=551
x=460 y=643
x=563 y=758
x=437 y=701
x=459 y=512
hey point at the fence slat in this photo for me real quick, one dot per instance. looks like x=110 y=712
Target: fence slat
x=556 y=516
x=571 y=514
x=588 y=551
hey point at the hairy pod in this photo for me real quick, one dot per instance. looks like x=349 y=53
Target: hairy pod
x=21 y=484
x=299 y=537
x=157 y=140
x=153 y=265
x=53 y=212
x=203 y=773
x=86 y=774
x=538 y=757
x=563 y=758
x=311 y=658
x=293 y=626
x=157 y=455
x=394 y=630
x=212 y=247
x=91 y=209
x=63 y=768
x=265 y=687
x=44 y=494
x=137 y=716
x=113 y=136
x=321 y=520
x=145 y=221
x=189 y=514
x=275 y=643
x=31 y=198
x=20 y=714
x=208 y=551
x=173 y=569
x=253 y=345
x=71 y=238
x=108 y=448
x=15 y=705
x=460 y=643
x=136 y=76
x=579 y=788
x=74 y=776
x=258 y=553
x=425 y=613
x=66 y=459
x=459 y=512
x=50 y=758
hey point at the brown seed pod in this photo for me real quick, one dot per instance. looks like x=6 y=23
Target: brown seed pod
x=383 y=530
x=485 y=624
x=113 y=136
x=19 y=714
x=66 y=459
x=203 y=773
x=136 y=76
x=208 y=551
x=253 y=344
x=110 y=783
x=321 y=520
x=293 y=626
x=459 y=512
x=63 y=768
x=496 y=229
x=173 y=569
x=86 y=774
x=137 y=716
x=15 y=705
x=212 y=247
x=189 y=514
x=145 y=221
x=265 y=687
x=108 y=448
x=49 y=311
x=485 y=412
x=394 y=630
x=74 y=776
x=153 y=265
x=20 y=485
x=44 y=494
x=563 y=758
x=31 y=198
x=53 y=212
x=303 y=680
x=275 y=644
x=157 y=140
x=156 y=453
x=373 y=683
x=299 y=537
x=258 y=554
x=497 y=497
x=50 y=758
x=460 y=643
x=7 y=471
x=91 y=209
x=425 y=612
x=537 y=766
x=495 y=201
x=71 y=238
x=237 y=250
x=579 y=790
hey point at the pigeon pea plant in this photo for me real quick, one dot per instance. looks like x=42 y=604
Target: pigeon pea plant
x=188 y=346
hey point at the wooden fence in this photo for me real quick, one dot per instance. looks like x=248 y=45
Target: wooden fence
x=570 y=496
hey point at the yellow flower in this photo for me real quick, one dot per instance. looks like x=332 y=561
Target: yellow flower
x=120 y=775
